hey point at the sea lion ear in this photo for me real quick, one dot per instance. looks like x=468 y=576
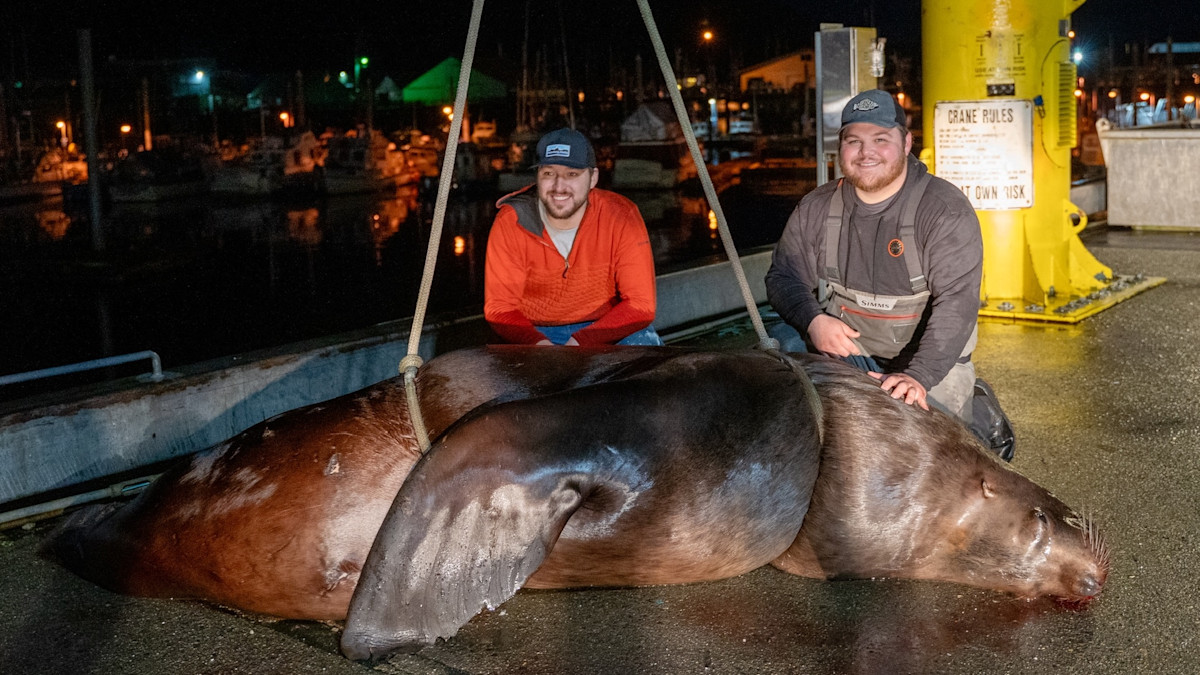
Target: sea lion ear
x=988 y=492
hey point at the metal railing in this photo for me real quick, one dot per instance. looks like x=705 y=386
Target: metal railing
x=156 y=373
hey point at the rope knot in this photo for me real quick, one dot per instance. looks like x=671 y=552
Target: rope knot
x=410 y=362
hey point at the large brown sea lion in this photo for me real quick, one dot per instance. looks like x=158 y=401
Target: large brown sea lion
x=280 y=519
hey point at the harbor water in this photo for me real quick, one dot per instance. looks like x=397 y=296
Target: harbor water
x=201 y=278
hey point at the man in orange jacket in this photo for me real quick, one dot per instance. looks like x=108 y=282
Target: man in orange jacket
x=568 y=263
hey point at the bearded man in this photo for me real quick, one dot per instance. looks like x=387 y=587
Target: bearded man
x=568 y=263
x=883 y=268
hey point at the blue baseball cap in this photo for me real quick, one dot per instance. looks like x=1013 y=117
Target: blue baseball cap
x=874 y=106
x=566 y=147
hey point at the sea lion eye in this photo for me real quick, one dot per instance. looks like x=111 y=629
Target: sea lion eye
x=1041 y=515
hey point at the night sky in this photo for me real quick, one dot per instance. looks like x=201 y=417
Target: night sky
x=408 y=36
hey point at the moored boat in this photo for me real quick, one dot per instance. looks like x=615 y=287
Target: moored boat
x=362 y=161
x=653 y=152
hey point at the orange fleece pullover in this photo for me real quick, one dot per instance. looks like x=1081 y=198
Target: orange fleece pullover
x=607 y=278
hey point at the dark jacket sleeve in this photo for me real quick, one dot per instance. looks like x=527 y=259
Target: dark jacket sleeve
x=949 y=237
x=792 y=278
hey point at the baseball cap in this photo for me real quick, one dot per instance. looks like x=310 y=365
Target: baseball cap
x=874 y=106
x=566 y=147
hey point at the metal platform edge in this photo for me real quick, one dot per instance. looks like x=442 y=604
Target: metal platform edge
x=1120 y=289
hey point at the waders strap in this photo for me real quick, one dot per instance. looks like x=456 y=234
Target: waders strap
x=908 y=222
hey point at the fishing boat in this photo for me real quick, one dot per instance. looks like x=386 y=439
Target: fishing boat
x=653 y=152
x=363 y=161
x=271 y=165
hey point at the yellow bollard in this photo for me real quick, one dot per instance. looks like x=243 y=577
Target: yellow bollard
x=999 y=118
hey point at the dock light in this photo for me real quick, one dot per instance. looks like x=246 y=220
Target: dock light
x=1112 y=93
x=1077 y=56
x=460 y=245
x=60 y=124
x=1189 y=99
x=707 y=36
x=286 y=119
x=712 y=220
x=364 y=61
x=1078 y=93
x=126 y=128
x=902 y=98
x=199 y=75
x=1145 y=96
x=1071 y=33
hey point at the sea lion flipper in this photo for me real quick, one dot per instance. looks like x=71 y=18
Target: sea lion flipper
x=444 y=554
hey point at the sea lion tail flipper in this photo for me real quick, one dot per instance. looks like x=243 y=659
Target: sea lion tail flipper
x=88 y=542
x=453 y=543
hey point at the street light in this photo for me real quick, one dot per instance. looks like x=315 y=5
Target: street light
x=706 y=37
x=62 y=127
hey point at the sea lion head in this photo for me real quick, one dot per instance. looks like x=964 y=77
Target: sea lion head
x=1007 y=533
x=907 y=493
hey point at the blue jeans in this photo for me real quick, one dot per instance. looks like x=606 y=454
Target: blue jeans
x=560 y=334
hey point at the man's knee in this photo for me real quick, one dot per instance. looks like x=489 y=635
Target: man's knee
x=954 y=393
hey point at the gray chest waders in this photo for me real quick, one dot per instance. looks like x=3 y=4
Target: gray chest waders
x=886 y=323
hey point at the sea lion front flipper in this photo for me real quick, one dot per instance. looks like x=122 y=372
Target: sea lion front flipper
x=462 y=534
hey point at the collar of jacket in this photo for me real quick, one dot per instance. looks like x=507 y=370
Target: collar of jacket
x=524 y=202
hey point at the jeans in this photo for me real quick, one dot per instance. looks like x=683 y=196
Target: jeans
x=560 y=334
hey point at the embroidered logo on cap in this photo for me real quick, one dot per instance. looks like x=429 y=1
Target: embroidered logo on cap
x=865 y=105
x=558 y=150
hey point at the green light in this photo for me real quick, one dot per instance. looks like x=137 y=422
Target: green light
x=364 y=60
x=18 y=84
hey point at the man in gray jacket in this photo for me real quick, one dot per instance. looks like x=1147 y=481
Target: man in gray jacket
x=883 y=268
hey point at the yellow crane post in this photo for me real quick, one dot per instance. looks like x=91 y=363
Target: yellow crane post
x=999 y=115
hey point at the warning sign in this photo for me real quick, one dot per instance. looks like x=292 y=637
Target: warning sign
x=986 y=149
x=1000 y=56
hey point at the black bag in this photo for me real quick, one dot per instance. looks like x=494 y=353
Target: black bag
x=989 y=423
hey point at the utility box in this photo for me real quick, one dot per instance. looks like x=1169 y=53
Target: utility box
x=1153 y=176
x=846 y=65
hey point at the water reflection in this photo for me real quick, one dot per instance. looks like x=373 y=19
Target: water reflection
x=199 y=278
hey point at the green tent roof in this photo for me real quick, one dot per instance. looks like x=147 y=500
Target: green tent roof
x=439 y=85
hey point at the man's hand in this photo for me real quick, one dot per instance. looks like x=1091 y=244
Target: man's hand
x=831 y=336
x=902 y=387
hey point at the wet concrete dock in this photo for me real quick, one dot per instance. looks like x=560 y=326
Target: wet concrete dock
x=1107 y=415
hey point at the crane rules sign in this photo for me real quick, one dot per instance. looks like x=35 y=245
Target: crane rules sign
x=986 y=149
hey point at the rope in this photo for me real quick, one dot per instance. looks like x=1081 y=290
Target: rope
x=765 y=342
x=412 y=362
x=710 y=192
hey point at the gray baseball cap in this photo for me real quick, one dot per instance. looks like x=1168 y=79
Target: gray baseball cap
x=874 y=106
x=566 y=147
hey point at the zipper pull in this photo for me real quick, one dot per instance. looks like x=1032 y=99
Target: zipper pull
x=566 y=266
